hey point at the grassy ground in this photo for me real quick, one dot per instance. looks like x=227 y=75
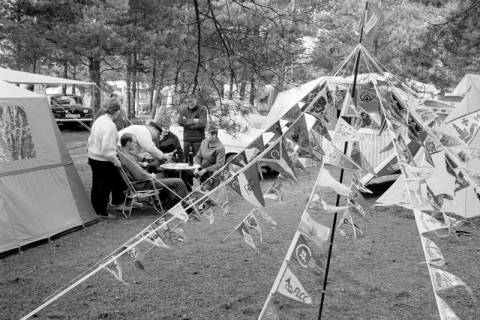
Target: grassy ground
x=378 y=276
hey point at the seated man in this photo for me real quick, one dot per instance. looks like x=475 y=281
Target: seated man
x=168 y=142
x=131 y=165
x=146 y=137
x=211 y=155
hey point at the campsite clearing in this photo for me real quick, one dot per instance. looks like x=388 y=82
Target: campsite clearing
x=378 y=276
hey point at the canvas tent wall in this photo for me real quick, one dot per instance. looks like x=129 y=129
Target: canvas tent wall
x=40 y=191
x=469 y=88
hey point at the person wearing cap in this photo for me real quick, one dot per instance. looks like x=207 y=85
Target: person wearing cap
x=147 y=137
x=211 y=155
x=102 y=158
x=168 y=142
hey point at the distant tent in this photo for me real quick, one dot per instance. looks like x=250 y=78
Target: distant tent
x=469 y=88
x=41 y=194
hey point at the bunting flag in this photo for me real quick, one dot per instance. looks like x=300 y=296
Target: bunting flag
x=427 y=223
x=366 y=101
x=320 y=128
x=275 y=191
x=348 y=220
x=357 y=197
x=247 y=185
x=317 y=232
x=276 y=129
x=338 y=158
x=208 y=214
x=245 y=233
x=178 y=211
x=446 y=313
x=308 y=255
x=357 y=156
x=278 y=160
x=270 y=313
x=267 y=217
x=258 y=144
x=154 y=238
x=319 y=107
x=440 y=181
x=371 y=20
x=467 y=126
x=433 y=254
x=252 y=223
x=298 y=133
x=290 y=287
x=240 y=159
x=357 y=209
x=325 y=179
x=332 y=209
x=348 y=108
x=412 y=173
x=115 y=268
x=443 y=280
x=403 y=151
x=135 y=255
x=345 y=132
x=447 y=136
x=359 y=185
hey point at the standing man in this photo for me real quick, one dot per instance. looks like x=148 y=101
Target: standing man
x=102 y=158
x=193 y=119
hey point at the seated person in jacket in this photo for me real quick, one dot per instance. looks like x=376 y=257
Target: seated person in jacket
x=211 y=155
x=146 y=137
x=168 y=142
x=131 y=165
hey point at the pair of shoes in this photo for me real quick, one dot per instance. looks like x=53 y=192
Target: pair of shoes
x=108 y=217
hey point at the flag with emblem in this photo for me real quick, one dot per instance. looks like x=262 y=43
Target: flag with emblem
x=274 y=192
x=240 y=159
x=345 y=132
x=258 y=144
x=317 y=232
x=277 y=159
x=443 y=280
x=154 y=237
x=298 y=133
x=252 y=223
x=371 y=20
x=467 y=126
x=320 y=128
x=136 y=255
x=267 y=217
x=276 y=129
x=357 y=156
x=320 y=105
x=308 y=255
x=178 y=211
x=115 y=268
x=245 y=233
x=348 y=108
x=360 y=186
x=290 y=287
x=339 y=159
x=446 y=313
x=247 y=185
x=356 y=196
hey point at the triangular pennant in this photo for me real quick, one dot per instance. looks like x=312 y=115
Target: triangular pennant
x=252 y=222
x=325 y=179
x=136 y=256
x=357 y=197
x=320 y=105
x=240 y=159
x=247 y=237
x=348 y=220
x=348 y=108
x=178 y=211
x=467 y=126
x=332 y=209
x=320 y=128
x=337 y=158
x=314 y=230
x=433 y=254
x=357 y=156
x=154 y=238
x=278 y=160
x=290 y=287
x=427 y=223
x=412 y=173
x=257 y=144
x=360 y=186
x=308 y=255
x=115 y=268
x=446 y=313
x=298 y=133
x=345 y=132
x=443 y=280
x=276 y=129
x=275 y=191
x=440 y=181
x=249 y=186
x=208 y=214
x=221 y=197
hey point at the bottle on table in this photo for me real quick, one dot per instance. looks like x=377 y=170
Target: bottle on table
x=190 y=157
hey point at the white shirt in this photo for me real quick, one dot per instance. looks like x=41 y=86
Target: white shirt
x=144 y=139
x=102 y=142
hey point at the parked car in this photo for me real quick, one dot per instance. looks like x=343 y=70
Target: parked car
x=70 y=108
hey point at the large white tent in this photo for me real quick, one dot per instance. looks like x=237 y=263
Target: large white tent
x=21 y=77
x=41 y=193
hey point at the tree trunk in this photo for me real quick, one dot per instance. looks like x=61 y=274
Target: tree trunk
x=252 y=90
x=94 y=71
x=74 y=75
x=230 y=93
x=243 y=84
x=65 y=75
x=154 y=82
x=132 y=111
x=129 y=84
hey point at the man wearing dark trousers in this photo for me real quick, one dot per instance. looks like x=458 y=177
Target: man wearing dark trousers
x=193 y=119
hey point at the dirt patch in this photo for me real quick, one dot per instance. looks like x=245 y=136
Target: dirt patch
x=378 y=276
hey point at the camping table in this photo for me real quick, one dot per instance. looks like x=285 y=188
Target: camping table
x=179 y=166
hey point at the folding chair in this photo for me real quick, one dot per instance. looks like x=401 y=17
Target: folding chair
x=132 y=193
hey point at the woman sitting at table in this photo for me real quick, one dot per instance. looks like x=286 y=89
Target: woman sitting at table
x=211 y=155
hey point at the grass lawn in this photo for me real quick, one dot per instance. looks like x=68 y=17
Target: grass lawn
x=377 y=276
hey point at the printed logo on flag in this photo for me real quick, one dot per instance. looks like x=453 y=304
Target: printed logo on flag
x=291 y=287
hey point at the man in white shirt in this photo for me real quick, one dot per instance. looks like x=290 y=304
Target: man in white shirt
x=102 y=157
x=146 y=135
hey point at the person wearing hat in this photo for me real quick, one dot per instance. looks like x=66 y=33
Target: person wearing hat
x=211 y=155
x=147 y=137
x=102 y=158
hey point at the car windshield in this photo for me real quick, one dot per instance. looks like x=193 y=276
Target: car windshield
x=67 y=100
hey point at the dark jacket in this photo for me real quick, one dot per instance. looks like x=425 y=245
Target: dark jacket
x=170 y=143
x=193 y=132
x=211 y=156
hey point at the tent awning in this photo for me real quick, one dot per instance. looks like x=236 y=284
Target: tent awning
x=14 y=76
x=8 y=91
